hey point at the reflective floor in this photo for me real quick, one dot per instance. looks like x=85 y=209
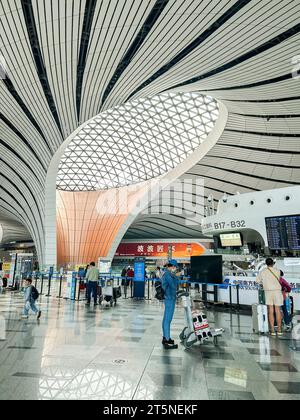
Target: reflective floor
x=81 y=353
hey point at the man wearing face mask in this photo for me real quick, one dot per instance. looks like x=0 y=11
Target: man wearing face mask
x=170 y=281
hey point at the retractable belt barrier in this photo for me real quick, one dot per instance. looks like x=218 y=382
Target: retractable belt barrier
x=61 y=286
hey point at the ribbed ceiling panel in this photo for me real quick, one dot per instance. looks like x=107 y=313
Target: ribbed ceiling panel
x=69 y=60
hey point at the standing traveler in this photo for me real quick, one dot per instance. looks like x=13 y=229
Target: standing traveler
x=158 y=273
x=85 y=280
x=269 y=278
x=123 y=275
x=86 y=271
x=184 y=271
x=31 y=295
x=130 y=276
x=92 y=278
x=286 y=289
x=169 y=285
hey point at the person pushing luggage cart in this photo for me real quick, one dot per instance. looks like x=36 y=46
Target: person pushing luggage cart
x=169 y=282
x=110 y=294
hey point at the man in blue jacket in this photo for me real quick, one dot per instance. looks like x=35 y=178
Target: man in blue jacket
x=169 y=280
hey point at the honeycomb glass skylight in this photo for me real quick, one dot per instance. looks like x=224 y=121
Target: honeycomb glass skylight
x=138 y=141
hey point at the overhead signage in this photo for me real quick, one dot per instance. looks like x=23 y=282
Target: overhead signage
x=233 y=224
x=160 y=250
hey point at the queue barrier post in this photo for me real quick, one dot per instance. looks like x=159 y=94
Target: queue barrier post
x=204 y=293
x=148 y=298
x=60 y=286
x=49 y=286
x=42 y=286
x=73 y=296
x=238 y=296
x=78 y=295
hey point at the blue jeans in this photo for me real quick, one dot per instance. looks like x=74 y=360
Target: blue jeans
x=30 y=304
x=92 y=289
x=168 y=317
x=286 y=315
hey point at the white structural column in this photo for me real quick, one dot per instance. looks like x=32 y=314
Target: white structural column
x=50 y=259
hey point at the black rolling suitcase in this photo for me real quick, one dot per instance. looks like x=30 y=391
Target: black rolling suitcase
x=117 y=292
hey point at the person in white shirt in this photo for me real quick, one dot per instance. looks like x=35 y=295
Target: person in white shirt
x=92 y=278
x=158 y=273
x=269 y=278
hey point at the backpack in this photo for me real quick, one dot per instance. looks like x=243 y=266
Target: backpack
x=34 y=293
x=160 y=293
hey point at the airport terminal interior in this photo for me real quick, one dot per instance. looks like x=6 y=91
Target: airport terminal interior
x=150 y=200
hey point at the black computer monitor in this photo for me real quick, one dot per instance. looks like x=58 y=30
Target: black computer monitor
x=207 y=269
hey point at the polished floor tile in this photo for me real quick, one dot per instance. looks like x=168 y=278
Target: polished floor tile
x=278 y=367
x=166 y=360
x=264 y=352
x=216 y=356
x=229 y=395
x=103 y=353
x=287 y=387
x=165 y=379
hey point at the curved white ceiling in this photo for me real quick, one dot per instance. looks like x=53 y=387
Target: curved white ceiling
x=137 y=141
x=68 y=61
x=12 y=231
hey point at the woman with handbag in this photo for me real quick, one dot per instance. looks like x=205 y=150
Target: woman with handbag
x=286 y=289
x=270 y=280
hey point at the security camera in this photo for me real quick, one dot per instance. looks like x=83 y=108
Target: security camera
x=225 y=198
x=210 y=198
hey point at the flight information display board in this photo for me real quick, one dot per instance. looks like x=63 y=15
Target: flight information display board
x=284 y=232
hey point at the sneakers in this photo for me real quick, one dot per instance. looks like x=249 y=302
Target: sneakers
x=169 y=344
x=273 y=334
x=165 y=341
x=24 y=317
x=39 y=315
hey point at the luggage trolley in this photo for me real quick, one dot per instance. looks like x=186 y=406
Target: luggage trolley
x=197 y=329
x=110 y=294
